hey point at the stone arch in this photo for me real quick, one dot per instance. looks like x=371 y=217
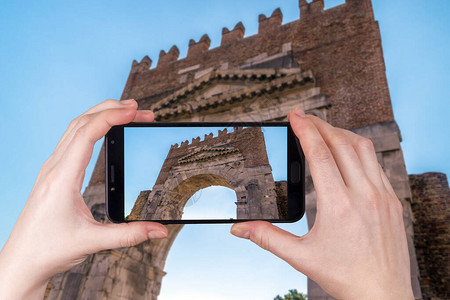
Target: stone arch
x=182 y=192
x=189 y=168
x=213 y=202
x=137 y=272
x=187 y=188
x=185 y=171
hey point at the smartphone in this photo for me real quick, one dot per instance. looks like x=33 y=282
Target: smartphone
x=198 y=172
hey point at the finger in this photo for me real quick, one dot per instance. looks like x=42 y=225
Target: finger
x=395 y=204
x=109 y=104
x=324 y=171
x=144 y=116
x=366 y=152
x=82 y=119
x=386 y=183
x=344 y=154
x=79 y=150
x=111 y=236
x=141 y=116
x=283 y=244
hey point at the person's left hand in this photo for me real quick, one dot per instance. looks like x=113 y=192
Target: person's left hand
x=56 y=231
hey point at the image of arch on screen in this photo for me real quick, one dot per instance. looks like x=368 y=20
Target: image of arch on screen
x=209 y=173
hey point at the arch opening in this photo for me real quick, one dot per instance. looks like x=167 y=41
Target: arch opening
x=214 y=202
x=205 y=196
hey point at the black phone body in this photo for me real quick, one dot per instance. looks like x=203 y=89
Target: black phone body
x=261 y=162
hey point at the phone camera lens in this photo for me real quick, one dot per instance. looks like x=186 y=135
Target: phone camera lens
x=112 y=142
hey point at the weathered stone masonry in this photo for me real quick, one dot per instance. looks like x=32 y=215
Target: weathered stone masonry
x=431 y=207
x=330 y=63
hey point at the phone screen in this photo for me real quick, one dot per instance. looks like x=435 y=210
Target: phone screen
x=205 y=173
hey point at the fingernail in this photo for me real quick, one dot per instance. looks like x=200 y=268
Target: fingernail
x=157 y=234
x=240 y=230
x=299 y=112
x=126 y=102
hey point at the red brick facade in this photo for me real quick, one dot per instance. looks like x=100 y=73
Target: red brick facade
x=249 y=142
x=431 y=207
x=342 y=46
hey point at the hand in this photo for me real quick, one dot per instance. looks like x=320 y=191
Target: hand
x=357 y=247
x=56 y=231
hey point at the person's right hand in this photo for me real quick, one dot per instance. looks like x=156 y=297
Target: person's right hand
x=357 y=247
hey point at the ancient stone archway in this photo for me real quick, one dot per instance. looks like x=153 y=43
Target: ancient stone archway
x=253 y=94
x=183 y=192
x=237 y=160
x=254 y=78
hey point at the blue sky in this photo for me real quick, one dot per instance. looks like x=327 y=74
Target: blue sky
x=57 y=59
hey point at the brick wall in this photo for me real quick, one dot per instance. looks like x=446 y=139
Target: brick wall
x=341 y=45
x=249 y=141
x=431 y=207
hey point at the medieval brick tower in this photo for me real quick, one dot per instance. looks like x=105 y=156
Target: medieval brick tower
x=330 y=63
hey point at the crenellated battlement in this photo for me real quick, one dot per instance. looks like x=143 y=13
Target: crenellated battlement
x=197 y=140
x=269 y=23
x=234 y=35
x=166 y=58
x=245 y=142
x=312 y=8
x=202 y=45
x=141 y=66
x=345 y=37
x=223 y=132
x=266 y=24
x=222 y=136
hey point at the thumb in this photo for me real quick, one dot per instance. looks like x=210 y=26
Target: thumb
x=283 y=244
x=111 y=236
